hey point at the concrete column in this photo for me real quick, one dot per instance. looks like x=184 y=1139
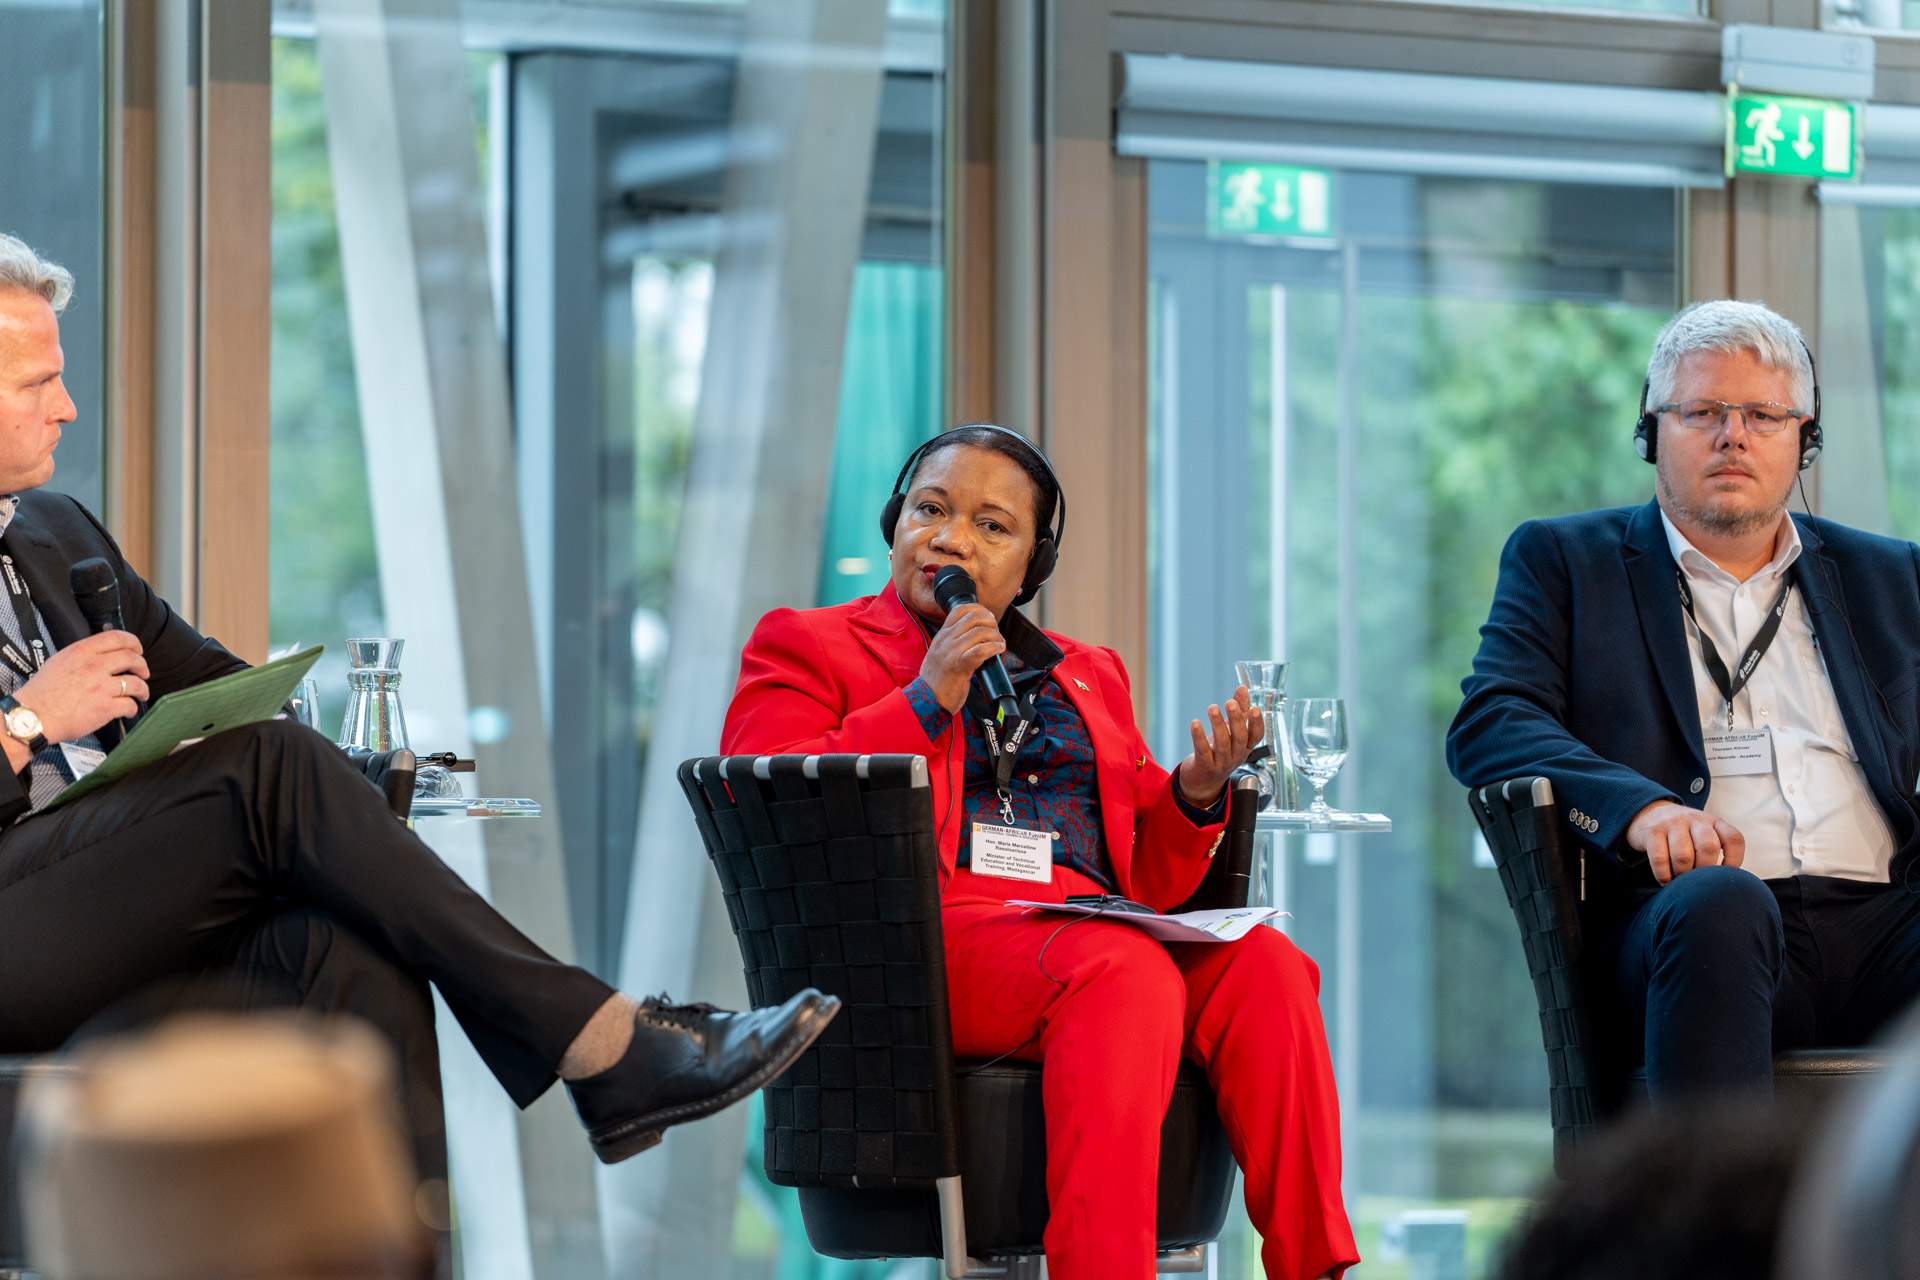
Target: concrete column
x=806 y=104
x=431 y=374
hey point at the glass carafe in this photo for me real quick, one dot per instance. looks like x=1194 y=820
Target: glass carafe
x=1266 y=683
x=374 y=721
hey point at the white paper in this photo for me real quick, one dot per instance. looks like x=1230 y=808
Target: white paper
x=1739 y=751
x=1229 y=924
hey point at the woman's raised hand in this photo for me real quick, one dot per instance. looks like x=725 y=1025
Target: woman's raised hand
x=1219 y=747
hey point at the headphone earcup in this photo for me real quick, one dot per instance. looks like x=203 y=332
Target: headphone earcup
x=1646 y=436
x=1039 y=569
x=890 y=516
x=1812 y=440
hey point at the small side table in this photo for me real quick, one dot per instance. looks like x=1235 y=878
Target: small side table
x=473 y=807
x=1270 y=883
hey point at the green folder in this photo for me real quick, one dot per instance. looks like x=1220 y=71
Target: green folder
x=188 y=715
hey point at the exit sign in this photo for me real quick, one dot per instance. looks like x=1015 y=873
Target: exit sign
x=1268 y=200
x=1796 y=137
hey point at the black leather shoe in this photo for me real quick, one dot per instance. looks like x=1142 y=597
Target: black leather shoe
x=688 y=1061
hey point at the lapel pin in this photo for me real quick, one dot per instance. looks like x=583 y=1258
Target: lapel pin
x=1083 y=686
x=1141 y=763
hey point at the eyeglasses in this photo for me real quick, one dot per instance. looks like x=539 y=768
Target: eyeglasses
x=1762 y=418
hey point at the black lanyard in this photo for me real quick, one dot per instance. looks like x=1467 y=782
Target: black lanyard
x=1729 y=685
x=1004 y=740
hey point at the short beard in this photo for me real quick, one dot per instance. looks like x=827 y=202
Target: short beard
x=1724 y=524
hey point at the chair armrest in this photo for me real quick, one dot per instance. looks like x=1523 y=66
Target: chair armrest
x=393 y=773
x=1229 y=878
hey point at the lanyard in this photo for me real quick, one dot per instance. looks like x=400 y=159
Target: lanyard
x=1004 y=740
x=1729 y=685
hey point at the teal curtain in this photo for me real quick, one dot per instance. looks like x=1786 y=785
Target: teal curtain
x=891 y=398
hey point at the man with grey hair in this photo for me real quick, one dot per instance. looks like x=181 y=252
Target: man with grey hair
x=1723 y=696
x=262 y=855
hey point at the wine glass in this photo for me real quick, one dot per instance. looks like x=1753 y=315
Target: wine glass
x=1317 y=732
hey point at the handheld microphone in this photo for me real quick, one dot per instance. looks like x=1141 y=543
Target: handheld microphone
x=952 y=587
x=98 y=593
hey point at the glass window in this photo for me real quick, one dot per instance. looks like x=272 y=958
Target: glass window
x=636 y=146
x=51 y=98
x=1869 y=351
x=1346 y=426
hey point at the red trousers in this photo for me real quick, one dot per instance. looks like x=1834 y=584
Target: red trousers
x=1110 y=1017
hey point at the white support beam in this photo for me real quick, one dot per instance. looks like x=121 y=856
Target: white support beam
x=431 y=374
x=806 y=105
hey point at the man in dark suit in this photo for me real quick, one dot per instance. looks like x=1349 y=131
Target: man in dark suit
x=1723 y=697
x=262 y=854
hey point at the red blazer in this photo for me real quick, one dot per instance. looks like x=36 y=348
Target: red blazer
x=825 y=680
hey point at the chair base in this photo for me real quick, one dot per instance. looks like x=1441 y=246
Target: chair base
x=1004 y=1177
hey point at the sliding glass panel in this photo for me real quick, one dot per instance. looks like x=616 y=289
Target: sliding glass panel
x=1349 y=418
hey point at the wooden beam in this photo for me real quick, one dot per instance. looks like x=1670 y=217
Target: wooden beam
x=236 y=418
x=971 y=115
x=127 y=461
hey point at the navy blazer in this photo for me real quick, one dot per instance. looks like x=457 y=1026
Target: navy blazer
x=1584 y=676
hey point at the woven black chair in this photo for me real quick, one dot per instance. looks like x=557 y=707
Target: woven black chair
x=830 y=872
x=1593 y=1052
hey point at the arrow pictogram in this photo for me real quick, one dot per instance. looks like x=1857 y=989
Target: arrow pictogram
x=1803 y=145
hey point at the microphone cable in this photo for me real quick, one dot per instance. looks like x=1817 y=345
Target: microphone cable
x=1041 y=961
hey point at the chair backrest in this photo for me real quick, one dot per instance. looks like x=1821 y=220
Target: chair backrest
x=831 y=875
x=1542 y=876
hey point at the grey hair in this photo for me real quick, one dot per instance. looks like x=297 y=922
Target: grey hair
x=1726 y=325
x=22 y=268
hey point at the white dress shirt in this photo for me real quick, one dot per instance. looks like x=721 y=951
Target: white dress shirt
x=1813 y=814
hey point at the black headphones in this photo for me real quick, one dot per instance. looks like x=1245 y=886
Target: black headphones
x=1646 y=431
x=1046 y=548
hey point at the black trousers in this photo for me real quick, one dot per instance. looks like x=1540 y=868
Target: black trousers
x=264 y=856
x=1726 y=969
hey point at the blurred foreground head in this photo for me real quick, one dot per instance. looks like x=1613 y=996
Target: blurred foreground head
x=1685 y=1193
x=220 y=1147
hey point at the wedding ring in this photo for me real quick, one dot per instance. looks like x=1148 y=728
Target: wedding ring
x=123 y=686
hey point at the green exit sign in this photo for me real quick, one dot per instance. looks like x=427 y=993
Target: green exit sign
x=1798 y=137
x=1268 y=200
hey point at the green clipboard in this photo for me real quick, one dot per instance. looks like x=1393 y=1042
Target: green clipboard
x=188 y=715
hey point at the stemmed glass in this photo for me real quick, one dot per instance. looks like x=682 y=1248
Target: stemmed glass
x=1317 y=732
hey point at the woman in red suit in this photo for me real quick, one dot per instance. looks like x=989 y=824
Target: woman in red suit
x=1108 y=1010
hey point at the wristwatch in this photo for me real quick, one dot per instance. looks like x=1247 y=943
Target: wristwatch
x=23 y=724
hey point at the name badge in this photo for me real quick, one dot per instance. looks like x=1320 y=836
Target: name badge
x=1739 y=751
x=82 y=760
x=1012 y=853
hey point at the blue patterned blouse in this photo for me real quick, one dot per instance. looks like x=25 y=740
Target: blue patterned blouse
x=1054 y=786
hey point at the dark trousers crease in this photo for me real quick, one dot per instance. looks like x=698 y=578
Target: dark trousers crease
x=265 y=855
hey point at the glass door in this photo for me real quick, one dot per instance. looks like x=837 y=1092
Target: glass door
x=1351 y=412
